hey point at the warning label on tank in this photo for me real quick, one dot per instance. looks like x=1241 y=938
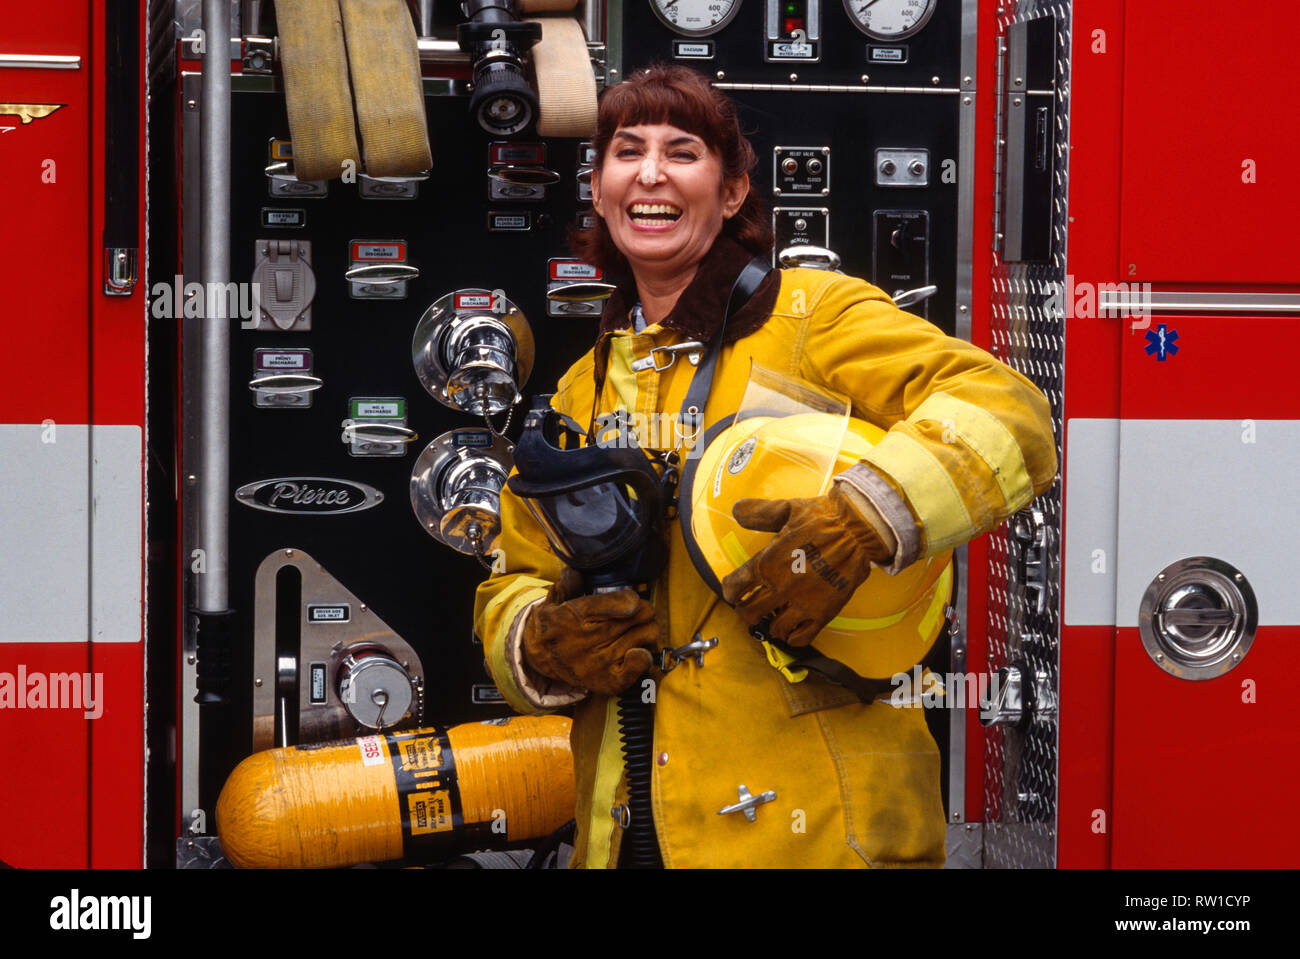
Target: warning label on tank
x=429 y=812
x=422 y=754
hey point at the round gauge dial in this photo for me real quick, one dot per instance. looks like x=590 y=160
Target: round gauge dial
x=695 y=18
x=890 y=19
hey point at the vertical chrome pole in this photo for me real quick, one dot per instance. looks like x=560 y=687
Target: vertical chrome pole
x=425 y=14
x=211 y=589
x=593 y=20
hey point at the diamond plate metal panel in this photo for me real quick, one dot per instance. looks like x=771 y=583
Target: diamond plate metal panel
x=965 y=846
x=1028 y=333
x=201 y=852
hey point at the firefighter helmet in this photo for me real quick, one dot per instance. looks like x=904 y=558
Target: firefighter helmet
x=890 y=622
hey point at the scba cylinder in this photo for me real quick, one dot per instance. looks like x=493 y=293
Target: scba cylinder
x=420 y=796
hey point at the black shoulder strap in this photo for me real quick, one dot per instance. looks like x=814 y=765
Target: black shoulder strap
x=746 y=285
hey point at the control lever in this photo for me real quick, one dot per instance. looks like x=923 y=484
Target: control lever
x=812 y=257
x=382 y=273
x=285 y=383
x=575 y=292
x=379 y=433
x=905 y=298
x=404 y=178
x=521 y=175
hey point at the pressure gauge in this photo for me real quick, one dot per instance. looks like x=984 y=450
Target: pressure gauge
x=890 y=19
x=695 y=18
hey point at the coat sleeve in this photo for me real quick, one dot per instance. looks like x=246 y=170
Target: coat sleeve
x=524 y=568
x=969 y=440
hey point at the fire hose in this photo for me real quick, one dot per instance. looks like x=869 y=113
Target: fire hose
x=353 y=66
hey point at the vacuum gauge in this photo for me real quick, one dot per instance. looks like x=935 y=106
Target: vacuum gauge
x=890 y=19
x=695 y=18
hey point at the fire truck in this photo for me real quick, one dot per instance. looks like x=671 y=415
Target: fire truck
x=256 y=415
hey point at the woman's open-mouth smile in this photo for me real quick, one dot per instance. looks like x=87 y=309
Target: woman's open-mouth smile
x=654 y=217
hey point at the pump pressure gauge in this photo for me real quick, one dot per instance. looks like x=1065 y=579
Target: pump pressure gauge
x=695 y=18
x=890 y=19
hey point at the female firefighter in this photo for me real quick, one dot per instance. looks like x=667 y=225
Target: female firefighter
x=753 y=763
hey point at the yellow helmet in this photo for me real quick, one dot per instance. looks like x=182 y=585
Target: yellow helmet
x=890 y=622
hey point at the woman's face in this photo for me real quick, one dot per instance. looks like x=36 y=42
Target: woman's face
x=662 y=195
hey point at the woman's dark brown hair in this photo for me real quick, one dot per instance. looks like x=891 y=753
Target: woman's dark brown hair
x=683 y=98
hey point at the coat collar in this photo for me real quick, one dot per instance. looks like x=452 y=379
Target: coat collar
x=699 y=309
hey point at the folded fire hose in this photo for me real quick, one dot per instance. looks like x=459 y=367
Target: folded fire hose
x=354 y=65
x=422 y=795
x=566 y=86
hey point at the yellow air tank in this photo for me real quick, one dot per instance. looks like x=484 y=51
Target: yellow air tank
x=420 y=796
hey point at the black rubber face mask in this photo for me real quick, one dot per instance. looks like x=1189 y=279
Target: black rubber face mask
x=600 y=499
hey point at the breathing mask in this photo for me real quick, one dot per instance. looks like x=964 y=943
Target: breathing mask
x=599 y=497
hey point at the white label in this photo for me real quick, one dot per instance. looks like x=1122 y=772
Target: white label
x=502 y=222
x=792 y=50
x=282 y=361
x=378 y=409
x=694 y=50
x=372 y=750
x=319 y=614
x=572 y=271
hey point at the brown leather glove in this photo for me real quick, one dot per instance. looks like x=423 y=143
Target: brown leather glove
x=838 y=545
x=596 y=642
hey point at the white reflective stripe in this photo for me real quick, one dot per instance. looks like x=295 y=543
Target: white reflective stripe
x=1229 y=489
x=1091 y=512
x=48 y=575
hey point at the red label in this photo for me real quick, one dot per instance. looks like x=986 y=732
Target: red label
x=573 y=270
x=363 y=251
x=473 y=301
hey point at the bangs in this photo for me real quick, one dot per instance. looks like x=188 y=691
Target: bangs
x=627 y=105
x=684 y=98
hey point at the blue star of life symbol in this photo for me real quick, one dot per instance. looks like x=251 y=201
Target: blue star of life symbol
x=1160 y=342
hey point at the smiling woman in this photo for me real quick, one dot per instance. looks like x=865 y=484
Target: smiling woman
x=747 y=759
x=668 y=143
